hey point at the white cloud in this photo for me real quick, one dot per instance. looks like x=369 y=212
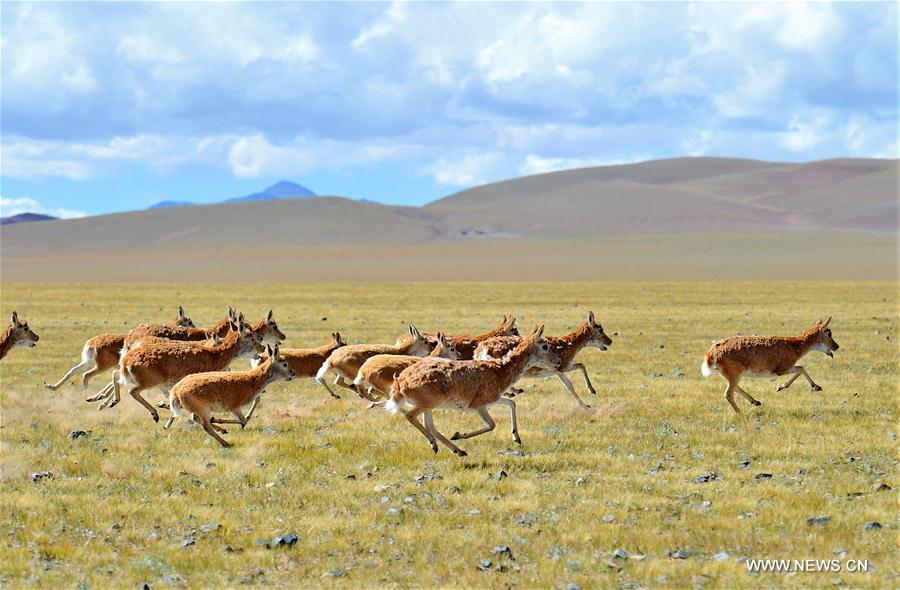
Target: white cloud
x=10 y=207
x=143 y=48
x=468 y=170
x=803 y=135
x=757 y=90
x=80 y=80
x=537 y=165
x=254 y=156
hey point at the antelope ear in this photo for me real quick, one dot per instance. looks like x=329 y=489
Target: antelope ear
x=234 y=326
x=415 y=332
x=269 y=316
x=828 y=321
x=591 y=318
x=14 y=318
x=269 y=350
x=275 y=352
x=180 y=311
x=441 y=338
x=538 y=332
x=230 y=312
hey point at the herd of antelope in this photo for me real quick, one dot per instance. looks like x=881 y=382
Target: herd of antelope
x=416 y=375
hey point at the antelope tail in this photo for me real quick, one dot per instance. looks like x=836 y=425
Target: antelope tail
x=396 y=400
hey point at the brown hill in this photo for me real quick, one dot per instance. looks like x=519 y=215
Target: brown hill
x=689 y=214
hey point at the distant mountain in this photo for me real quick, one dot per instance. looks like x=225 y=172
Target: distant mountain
x=167 y=204
x=279 y=190
x=25 y=218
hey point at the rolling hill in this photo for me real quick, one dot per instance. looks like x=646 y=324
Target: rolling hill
x=678 y=218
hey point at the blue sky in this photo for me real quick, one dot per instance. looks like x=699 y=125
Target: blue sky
x=111 y=107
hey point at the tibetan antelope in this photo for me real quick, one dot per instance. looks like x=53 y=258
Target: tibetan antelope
x=434 y=383
x=466 y=344
x=16 y=334
x=766 y=356
x=304 y=362
x=101 y=353
x=163 y=363
x=346 y=361
x=566 y=347
x=178 y=332
x=202 y=393
x=379 y=371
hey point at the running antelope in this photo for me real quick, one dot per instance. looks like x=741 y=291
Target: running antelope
x=178 y=332
x=16 y=334
x=466 y=344
x=467 y=385
x=163 y=363
x=200 y=394
x=304 y=362
x=346 y=361
x=566 y=347
x=101 y=353
x=380 y=370
x=766 y=356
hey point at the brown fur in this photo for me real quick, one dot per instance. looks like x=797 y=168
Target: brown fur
x=17 y=334
x=304 y=362
x=164 y=363
x=466 y=385
x=467 y=343
x=103 y=352
x=380 y=370
x=175 y=332
x=766 y=356
x=200 y=394
x=346 y=361
x=566 y=347
x=268 y=330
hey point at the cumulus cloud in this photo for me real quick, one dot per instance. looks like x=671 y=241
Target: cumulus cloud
x=467 y=170
x=467 y=93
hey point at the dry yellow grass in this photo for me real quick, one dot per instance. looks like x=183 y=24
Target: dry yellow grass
x=122 y=500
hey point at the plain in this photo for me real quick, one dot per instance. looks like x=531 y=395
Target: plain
x=660 y=468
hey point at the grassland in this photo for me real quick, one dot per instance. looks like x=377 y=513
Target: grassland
x=372 y=506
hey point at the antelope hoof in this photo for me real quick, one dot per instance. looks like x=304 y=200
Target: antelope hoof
x=815 y=388
x=756 y=403
x=434 y=447
x=155 y=417
x=779 y=388
x=162 y=405
x=592 y=390
x=456 y=436
x=100 y=406
x=335 y=396
x=461 y=453
x=586 y=407
x=516 y=438
x=225 y=444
